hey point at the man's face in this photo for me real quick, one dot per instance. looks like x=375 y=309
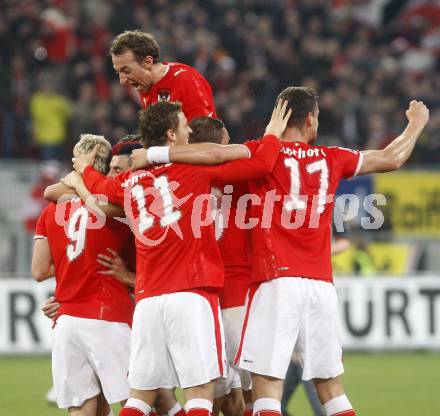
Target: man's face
x=183 y=130
x=134 y=73
x=118 y=164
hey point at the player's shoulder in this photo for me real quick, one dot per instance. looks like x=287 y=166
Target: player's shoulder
x=253 y=144
x=179 y=70
x=47 y=211
x=62 y=210
x=131 y=178
x=340 y=150
x=63 y=204
x=179 y=168
x=189 y=174
x=51 y=206
x=127 y=178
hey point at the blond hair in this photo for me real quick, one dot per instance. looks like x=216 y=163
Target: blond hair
x=87 y=143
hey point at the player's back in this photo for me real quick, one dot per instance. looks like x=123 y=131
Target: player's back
x=234 y=244
x=296 y=239
x=75 y=239
x=175 y=250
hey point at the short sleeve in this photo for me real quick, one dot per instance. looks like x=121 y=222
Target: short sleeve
x=195 y=95
x=40 y=228
x=349 y=161
x=263 y=157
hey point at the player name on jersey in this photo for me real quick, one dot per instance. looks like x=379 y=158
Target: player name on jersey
x=303 y=153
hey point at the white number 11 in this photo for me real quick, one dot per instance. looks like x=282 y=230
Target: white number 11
x=169 y=215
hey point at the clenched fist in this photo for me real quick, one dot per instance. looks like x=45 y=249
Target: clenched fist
x=417 y=113
x=139 y=159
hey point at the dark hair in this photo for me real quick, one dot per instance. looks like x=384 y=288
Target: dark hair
x=206 y=129
x=127 y=144
x=156 y=120
x=302 y=101
x=142 y=44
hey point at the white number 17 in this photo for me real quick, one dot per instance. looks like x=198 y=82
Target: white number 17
x=295 y=202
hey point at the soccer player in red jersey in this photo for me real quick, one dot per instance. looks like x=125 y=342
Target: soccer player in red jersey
x=136 y=60
x=293 y=301
x=92 y=327
x=120 y=162
x=118 y=265
x=177 y=334
x=234 y=245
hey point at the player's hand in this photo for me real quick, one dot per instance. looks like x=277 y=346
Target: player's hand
x=85 y=159
x=139 y=159
x=71 y=179
x=279 y=119
x=115 y=266
x=50 y=307
x=417 y=113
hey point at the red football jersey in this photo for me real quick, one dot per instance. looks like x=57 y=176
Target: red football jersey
x=183 y=83
x=170 y=212
x=234 y=242
x=81 y=290
x=235 y=246
x=295 y=240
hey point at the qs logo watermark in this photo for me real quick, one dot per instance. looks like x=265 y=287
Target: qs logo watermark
x=155 y=206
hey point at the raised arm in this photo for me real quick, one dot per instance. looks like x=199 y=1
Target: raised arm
x=96 y=182
x=399 y=150
x=260 y=164
x=58 y=190
x=75 y=181
x=193 y=154
x=208 y=153
x=263 y=160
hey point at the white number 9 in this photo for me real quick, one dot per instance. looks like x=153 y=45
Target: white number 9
x=76 y=233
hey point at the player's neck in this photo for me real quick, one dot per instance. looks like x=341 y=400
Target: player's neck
x=158 y=71
x=292 y=134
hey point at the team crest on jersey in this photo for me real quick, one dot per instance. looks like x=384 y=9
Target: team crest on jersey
x=163 y=95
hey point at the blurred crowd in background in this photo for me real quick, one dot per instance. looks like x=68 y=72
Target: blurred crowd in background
x=366 y=58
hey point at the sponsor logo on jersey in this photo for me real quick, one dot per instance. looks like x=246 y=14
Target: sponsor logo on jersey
x=179 y=71
x=163 y=95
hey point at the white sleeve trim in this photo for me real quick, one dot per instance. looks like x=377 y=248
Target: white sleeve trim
x=158 y=154
x=40 y=237
x=359 y=165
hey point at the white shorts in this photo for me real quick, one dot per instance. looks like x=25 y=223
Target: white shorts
x=233 y=324
x=223 y=386
x=177 y=341
x=88 y=354
x=287 y=313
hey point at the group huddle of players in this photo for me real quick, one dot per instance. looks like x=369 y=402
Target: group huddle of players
x=219 y=308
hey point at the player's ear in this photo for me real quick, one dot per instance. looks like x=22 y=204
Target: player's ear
x=309 y=119
x=147 y=62
x=171 y=137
